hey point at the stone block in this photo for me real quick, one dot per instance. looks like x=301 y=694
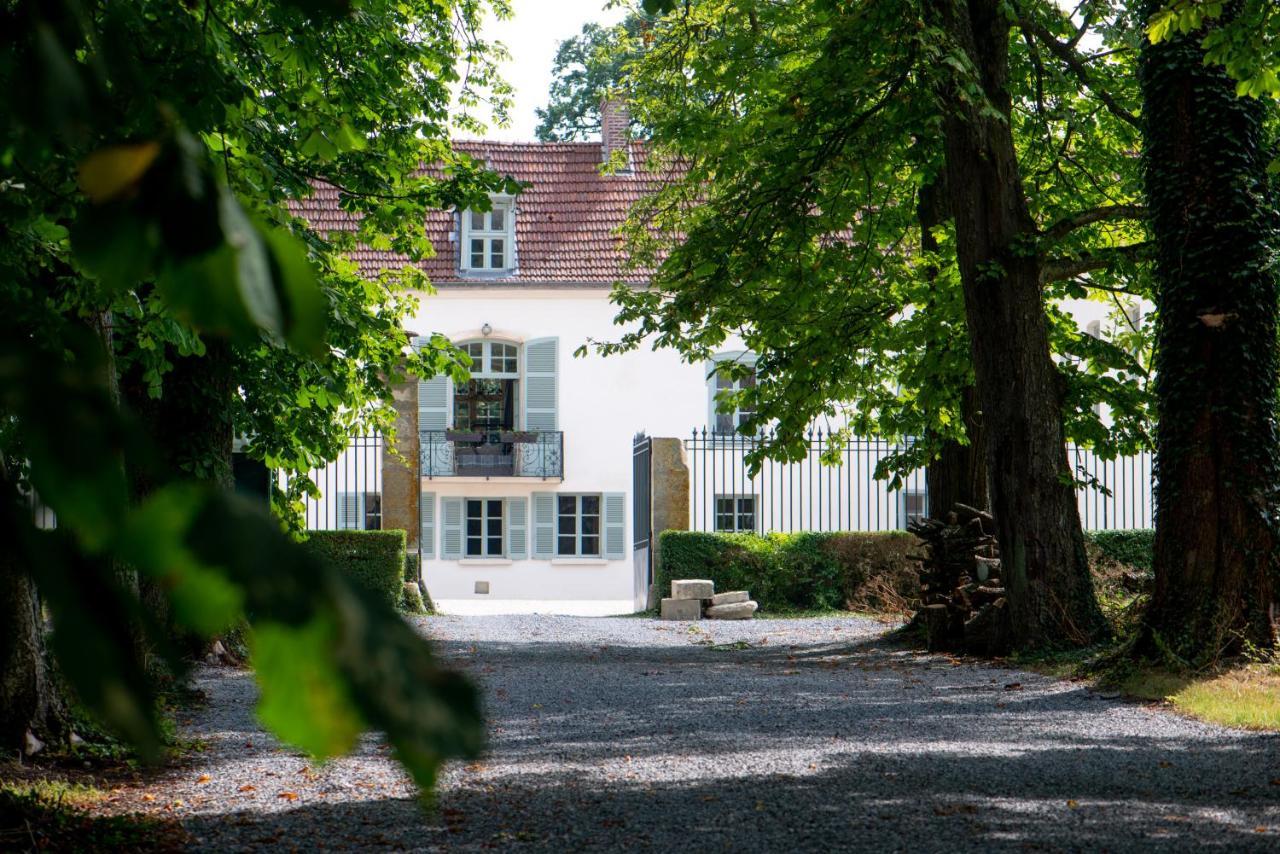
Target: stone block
x=730 y=598
x=681 y=609
x=735 y=611
x=692 y=589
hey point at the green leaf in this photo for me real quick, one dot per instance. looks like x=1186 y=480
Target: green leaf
x=114 y=244
x=306 y=310
x=304 y=699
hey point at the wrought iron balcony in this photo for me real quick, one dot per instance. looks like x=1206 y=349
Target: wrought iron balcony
x=492 y=454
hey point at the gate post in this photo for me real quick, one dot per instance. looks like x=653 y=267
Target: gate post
x=401 y=489
x=669 y=477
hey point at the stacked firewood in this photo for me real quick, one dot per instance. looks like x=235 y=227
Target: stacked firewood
x=964 y=606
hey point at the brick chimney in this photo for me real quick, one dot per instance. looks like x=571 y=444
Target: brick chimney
x=615 y=126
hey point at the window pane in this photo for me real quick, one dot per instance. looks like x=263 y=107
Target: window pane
x=724 y=422
x=477 y=220
x=473 y=509
x=591 y=505
x=567 y=524
x=473 y=547
x=749 y=381
x=498 y=219
x=566 y=545
x=590 y=525
x=497 y=253
x=495 y=546
x=495 y=508
x=591 y=546
x=477 y=254
x=473 y=528
x=723 y=380
x=567 y=503
x=495 y=527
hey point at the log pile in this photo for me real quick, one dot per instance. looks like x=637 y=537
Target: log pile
x=964 y=605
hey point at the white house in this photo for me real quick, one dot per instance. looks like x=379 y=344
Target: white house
x=526 y=471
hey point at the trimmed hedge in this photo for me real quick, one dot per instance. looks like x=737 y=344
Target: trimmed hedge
x=802 y=571
x=1133 y=547
x=373 y=560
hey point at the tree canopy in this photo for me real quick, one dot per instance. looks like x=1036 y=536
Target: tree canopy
x=148 y=158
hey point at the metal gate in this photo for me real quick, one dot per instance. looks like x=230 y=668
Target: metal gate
x=642 y=516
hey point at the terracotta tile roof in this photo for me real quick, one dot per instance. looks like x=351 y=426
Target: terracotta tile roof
x=566 y=221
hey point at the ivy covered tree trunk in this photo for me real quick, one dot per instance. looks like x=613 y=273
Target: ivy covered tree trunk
x=1217 y=453
x=1051 y=598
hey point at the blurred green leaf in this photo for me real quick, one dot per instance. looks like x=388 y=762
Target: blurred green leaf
x=304 y=696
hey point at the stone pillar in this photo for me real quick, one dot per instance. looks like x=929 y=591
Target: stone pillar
x=669 y=490
x=401 y=489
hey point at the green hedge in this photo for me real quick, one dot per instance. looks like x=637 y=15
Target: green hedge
x=1133 y=547
x=374 y=560
x=803 y=571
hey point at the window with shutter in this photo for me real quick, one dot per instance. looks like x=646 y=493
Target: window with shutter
x=729 y=374
x=427 y=515
x=541 y=396
x=517 y=528
x=348 y=511
x=451 y=510
x=615 y=525
x=544 y=525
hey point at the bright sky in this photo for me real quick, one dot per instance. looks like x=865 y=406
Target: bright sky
x=531 y=36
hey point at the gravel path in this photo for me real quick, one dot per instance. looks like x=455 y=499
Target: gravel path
x=770 y=735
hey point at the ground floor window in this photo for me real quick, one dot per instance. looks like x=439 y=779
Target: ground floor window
x=484 y=527
x=736 y=513
x=360 y=511
x=578 y=525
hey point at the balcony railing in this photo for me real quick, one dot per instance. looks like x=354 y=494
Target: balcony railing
x=517 y=453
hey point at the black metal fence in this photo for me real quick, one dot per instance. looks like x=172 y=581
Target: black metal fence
x=808 y=495
x=350 y=488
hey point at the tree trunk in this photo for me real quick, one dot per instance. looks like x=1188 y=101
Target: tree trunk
x=1217 y=453
x=1041 y=544
x=30 y=698
x=959 y=474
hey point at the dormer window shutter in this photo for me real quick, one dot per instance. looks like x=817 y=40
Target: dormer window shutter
x=541 y=384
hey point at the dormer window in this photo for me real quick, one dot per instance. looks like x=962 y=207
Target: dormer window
x=488 y=239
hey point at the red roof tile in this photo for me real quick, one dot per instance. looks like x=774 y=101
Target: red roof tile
x=566 y=220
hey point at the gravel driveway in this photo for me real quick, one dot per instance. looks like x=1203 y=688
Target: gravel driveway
x=770 y=735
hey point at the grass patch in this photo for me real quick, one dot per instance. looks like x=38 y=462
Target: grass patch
x=1247 y=696
x=52 y=814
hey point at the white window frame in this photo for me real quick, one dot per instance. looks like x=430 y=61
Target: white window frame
x=487 y=346
x=360 y=500
x=736 y=514
x=507 y=234
x=577 y=516
x=736 y=417
x=485 y=518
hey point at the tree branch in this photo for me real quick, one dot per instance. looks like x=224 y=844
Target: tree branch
x=1067 y=54
x=1066 y=225
x=1061 y=269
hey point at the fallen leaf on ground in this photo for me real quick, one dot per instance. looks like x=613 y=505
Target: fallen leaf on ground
x=248 y=787
x=288 y=796
x=203 y=778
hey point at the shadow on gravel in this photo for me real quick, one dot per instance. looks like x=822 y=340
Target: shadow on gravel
x=818 y=747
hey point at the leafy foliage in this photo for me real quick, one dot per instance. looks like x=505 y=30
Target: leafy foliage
x=1131 y=547
x=586 y=69
x=798 y=140
x=150 y=155
x=373 y=560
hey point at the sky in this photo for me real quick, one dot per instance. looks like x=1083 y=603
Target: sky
x=531 y=36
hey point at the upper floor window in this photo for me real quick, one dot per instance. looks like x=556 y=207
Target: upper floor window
x=731 y=373
x=488 y=238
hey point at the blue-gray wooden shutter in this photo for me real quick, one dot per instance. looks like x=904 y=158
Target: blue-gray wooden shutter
x=544 y=525
x=433 y=398
x=541 y=384
x=517 y=528
x=451 y=523
x=427 y=531
x=350 y=517
x=615 y=525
